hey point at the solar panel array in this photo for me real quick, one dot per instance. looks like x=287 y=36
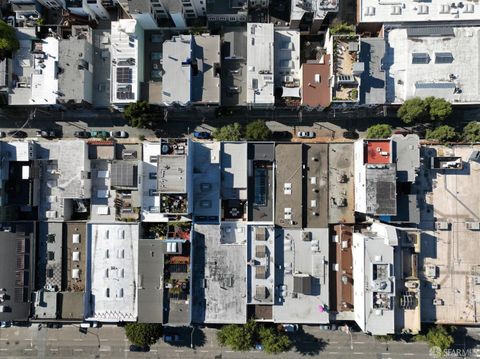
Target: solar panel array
x=124 y=75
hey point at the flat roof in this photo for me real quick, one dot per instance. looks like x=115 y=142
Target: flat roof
x=124 y=174
x=319 y=8
x=172 y=174
x=150 y=276
x=378 y=152
x=316 y=83
x=373 y=80
x=316 y=201
x=307 y=262
x=112 y=272
x=406 y=154
x=16 y=272
x=71 y=305
x=51 y=237
x=261 y=182
x=206 y=181
x=411 y=11
x=76 y=60
x=260 y=64
x=341 y=183
x=381 y=189
x=219 y=275
x=233 y=159
x=234 y=67
x=434 y=65
x=76 y=245
x=206 y=84
x=344 y=275
x=288 y=188
x=261 y=276
x=287 y=57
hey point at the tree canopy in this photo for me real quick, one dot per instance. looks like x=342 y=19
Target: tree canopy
x=412 y=110
x=136 y=113
x=471 y=132
x=231 y=132
x=244 y=337
x=143 y=333
x=430 y=108
x=379 y=131
x=8 y=39
x=442 y=133
x=257 y=131
x=438 y=336
x=274 y=342
x=342 y=28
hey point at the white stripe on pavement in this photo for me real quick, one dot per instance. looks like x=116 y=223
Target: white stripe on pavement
x=52 y=339
x=358 y=353
x=78 y=340
x=54 y=349
x=408 y=354
x=3 y=349
x=78 y=350
x=104 y=340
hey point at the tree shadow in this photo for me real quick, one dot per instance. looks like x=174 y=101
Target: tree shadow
x=182 y=336
x=307 y=344
x=463 y=340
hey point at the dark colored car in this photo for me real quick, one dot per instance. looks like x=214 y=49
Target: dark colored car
x=83 y=330
x=158 y=133
x=138 y=348
x=352 y=135
x=54 y=325
x=49 y=133
x=82 y=134
x=2 y=134
x=101 y=134
x=282 y=135
x=201 y=135
x=18 y=134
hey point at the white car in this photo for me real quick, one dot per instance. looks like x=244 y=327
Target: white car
x=4 y=324
x=306 y=134
x=290 y=328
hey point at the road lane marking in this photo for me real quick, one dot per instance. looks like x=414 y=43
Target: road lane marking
x=330 y=342
x=179 y=351
x=5 y=339
x=54 y=349
x=228 y=351
x=52 y=339
x=408 y=354
x=3 y=349
x=78 y=350
x=358 y=353
x=203 y=351
x=358 y=342
x=78 y=340
x=104 y=340
x=27 y=339
x=153 y=351
x=28 y=349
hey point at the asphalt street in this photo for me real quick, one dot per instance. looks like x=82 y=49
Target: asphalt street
x=110 y=342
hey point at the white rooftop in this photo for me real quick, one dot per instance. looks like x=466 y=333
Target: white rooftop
x=260 y=64
x=319 y=8
x=434 y=65
x=127 y=57
x=113 y=265
x=287 y=57
x=413 y=11
x=234 y=167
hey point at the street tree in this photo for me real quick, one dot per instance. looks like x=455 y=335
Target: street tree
x=471 y=132
x=438 y=336
x=257 y=131
x=442 y=133
x=232 y=132
x=439 y=109
x=136 y=113
x=379 y=131
x=143 y=333
x=413 y=110
x=274 y=342
x=8 y=40
x=238 y=337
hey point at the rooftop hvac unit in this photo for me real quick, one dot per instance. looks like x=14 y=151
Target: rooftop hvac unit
x=442 y=226
x=473 y=226
x=307 y=236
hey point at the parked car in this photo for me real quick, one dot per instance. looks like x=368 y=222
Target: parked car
x=351 y=135
x=82 y=134
x=49 y=134
x=171 y=338
x=138 y=348
x=3 y=134
x=290 y=328
x=119 y=134
x=282 y=135
x=325 y=327
x=201 y=135
x=54 y=325
x=18 y=134
x=258 y=346
x=306 y=134
x=5 y=324
x=83 y=330
x=101 y=134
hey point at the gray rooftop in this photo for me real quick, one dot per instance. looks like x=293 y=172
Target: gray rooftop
x=303 y=279
x=372 y=89
x=206 y=181
x=406 y=154
x=124 y=174
x=381 y=189
x=172 y=176
x=408 y=210
x=234 y=67
x=288 y=192
x=150 y=273
x=16 y=272
x=219 y=277
x=225 y=7
x=233 y=158
x=50 y=254
x=76 y=60
x=71 y=305
x=316 y=202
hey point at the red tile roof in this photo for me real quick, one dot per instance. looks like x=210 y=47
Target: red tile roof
x=378 y=152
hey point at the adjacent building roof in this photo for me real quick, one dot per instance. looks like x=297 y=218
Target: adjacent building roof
x=381 y=189
x=411 y=11
x=233 y=159
x=318 y=8
x=287 y=57
x=260 y=64
x=372 y=55
x=316 y=83
x=150 y=280
x=124 y=174
x=234 y=67
x=433 y=65
x=112 y=272
x=406 y=154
